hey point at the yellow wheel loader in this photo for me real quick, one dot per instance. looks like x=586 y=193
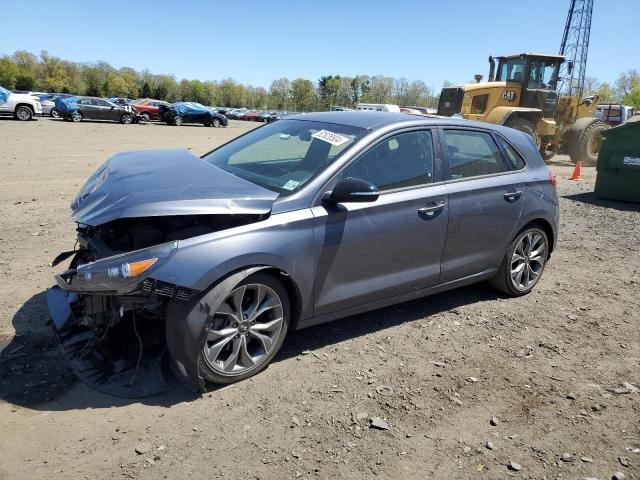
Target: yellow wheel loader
x=522 y=94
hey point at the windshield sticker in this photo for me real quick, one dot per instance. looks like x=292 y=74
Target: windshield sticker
x=290 y=185
x=330 y=137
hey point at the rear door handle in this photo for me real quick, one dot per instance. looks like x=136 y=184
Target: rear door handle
x=513 y=196
x=431 y=209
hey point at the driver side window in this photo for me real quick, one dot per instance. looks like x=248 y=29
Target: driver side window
x=404 y=160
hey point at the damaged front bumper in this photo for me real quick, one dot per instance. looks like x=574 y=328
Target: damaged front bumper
x=111 y=323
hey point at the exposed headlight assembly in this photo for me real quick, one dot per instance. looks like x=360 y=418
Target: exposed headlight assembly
x=119 y=273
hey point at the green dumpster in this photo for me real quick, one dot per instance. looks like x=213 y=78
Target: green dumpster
x=618 y=168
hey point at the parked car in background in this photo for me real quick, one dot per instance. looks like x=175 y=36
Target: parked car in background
x=220 y=255
x=148 y=108
x=614 y=114
x=48 y=103
x=411 y=111
x=190 y=112
x=377 y=107
x=262 y=116
x=120 y=100
x=236 y=113
x=250 y=115
x=21 y=105
x=93 y=108
x=422 y=110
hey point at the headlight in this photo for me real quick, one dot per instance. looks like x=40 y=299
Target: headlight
x=121 y=273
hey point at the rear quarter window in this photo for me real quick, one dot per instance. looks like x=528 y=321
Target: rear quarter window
x=472 y=154
x=512 y=159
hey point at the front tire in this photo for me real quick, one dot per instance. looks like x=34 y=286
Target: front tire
x=245 y=331
x=23 y=113
x=145 y=117
x=54 y=113
x=177 y=120
x=524 y=262
x=216 y=122
x=126 y=118
x=76 y=116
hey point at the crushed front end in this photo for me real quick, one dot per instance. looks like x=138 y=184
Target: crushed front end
x=109 y=315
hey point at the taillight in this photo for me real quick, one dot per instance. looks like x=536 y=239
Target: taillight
x=552 y=179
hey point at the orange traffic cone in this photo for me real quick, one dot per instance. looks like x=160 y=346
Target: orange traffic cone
x=577 y=172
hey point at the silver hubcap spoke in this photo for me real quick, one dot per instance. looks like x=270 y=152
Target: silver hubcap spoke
x=244 y=329
x=528 y=260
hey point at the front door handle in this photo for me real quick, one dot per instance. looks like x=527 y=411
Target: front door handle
x=513 y=196
x=431 y=210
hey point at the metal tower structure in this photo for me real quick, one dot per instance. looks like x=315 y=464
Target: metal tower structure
x=575 y=47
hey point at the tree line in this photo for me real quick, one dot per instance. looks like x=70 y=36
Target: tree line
x=25 y=71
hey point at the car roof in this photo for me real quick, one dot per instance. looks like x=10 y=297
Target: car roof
x=375 y=120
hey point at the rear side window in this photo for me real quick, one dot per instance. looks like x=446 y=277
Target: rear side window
x=512 y=159
x=471 y=154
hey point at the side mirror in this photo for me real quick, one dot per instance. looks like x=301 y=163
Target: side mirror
x=353 y=190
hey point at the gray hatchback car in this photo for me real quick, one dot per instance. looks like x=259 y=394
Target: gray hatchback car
x=293 y=224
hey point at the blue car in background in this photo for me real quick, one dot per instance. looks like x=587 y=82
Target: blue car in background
x=191 y=112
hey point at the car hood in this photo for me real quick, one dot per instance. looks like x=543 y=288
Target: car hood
x=165 y=182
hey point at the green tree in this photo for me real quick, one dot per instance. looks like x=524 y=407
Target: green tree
x=632 y=98
x=280 y=93
x=302 y=95
x=9 y=72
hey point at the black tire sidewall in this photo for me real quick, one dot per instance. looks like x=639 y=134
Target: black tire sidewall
x=210 y=375
x=54 y=113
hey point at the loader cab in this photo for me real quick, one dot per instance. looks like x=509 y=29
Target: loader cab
x=538 y=77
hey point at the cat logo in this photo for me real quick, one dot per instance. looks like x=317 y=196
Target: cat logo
x=509 y=95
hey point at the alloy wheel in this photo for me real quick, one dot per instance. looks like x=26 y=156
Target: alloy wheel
x=244 y=330
x=528 y=260
x=23 y=113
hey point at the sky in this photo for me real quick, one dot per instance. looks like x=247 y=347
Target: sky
x=255 y=42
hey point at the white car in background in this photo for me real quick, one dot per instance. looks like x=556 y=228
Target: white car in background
x=378 y=107
x=21 y=105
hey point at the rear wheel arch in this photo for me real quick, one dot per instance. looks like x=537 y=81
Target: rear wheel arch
x=545 y=226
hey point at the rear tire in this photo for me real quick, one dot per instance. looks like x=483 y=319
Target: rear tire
x=527 y=253
x=23 y=113
x=524 y=125
x=584 y=139
x=217 y=365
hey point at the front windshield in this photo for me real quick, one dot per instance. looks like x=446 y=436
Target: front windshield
x=542 y=74
x=285 y=155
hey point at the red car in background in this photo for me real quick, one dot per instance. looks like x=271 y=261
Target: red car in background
x=147 y=108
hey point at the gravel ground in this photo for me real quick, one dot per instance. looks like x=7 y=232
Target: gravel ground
x=465 y=384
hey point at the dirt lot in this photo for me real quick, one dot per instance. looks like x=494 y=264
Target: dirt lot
x=437 y=370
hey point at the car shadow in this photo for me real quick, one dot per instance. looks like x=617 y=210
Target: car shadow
x=34 y=373
x=592 y=199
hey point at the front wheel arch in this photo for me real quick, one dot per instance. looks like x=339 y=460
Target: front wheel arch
x=185 y=322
